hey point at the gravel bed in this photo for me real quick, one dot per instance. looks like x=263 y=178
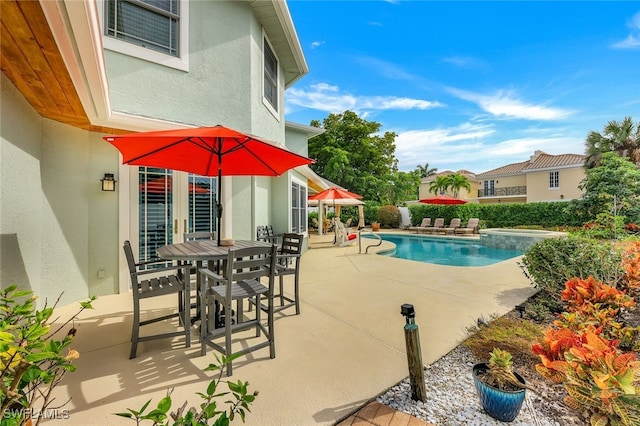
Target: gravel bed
x=452 y=399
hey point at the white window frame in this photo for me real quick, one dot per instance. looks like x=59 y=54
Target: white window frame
x=273 y=109
x=178 y=62
x=554 y=180
x=300 y=210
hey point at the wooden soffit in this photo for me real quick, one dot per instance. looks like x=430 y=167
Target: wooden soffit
x=30 y=58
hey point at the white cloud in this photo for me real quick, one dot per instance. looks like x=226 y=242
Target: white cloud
x=328 y=98
x=633 y=39
x=316 y=44
x=503 y=104
x=464 y=62
x=474 y=147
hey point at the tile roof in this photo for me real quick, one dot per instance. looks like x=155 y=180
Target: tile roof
x=538 y=161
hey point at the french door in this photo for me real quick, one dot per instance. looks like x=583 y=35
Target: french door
x=166 y=204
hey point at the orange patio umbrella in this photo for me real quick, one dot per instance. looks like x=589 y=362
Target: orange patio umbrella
x=334 y=193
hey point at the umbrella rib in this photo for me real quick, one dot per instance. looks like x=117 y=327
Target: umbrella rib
x=241 y=145
x=155 y=151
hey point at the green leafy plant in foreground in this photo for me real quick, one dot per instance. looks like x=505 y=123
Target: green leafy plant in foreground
x=208 y=413
x=32 y=360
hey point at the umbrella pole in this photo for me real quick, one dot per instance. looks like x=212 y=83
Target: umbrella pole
x=219 y=206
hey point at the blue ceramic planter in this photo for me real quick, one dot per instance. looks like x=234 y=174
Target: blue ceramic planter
x=501 y=405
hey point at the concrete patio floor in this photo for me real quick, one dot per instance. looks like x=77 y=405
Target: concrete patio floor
x=345 y=348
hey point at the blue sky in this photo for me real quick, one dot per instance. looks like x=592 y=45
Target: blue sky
x=470 y=85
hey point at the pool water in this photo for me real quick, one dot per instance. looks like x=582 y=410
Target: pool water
x=444 y=251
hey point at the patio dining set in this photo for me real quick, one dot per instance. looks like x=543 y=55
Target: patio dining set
x=213 y=281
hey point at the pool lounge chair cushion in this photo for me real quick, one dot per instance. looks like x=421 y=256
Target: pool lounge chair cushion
x=437 y=225
x=470 y=228
x=426 y=222
x=453 y=225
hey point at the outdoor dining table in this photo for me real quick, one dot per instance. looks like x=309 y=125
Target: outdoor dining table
x=199 y=251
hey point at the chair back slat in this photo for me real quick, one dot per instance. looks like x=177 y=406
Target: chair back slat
x=249 y=263
x=199 y=235
x=291 y=243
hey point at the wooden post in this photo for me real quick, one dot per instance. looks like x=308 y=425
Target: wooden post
x=414 y=354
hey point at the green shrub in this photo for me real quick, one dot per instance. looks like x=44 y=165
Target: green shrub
x=504 y=215
x=371 y=212
x=605 y=227
x=552 y=262
x=389 y=216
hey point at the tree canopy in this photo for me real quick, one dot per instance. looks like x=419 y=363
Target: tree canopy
x=352 y=153
x=453 y=181
x=615 y=182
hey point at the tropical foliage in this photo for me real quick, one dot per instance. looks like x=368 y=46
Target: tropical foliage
x=32 y=359
x=582 y=351
x=237 y=402
x=550 y=263
x=613 y=186
x=426 y=171
x=622 y=138
x=453 y=181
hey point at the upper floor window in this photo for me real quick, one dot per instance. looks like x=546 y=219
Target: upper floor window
x=270 y=76
x=151 y=24
x=554 y=179
x=489 y=188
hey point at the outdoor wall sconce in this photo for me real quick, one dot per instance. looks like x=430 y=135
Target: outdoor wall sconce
x=108 y=182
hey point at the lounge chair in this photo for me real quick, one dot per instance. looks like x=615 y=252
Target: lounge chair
x=426 y=222
x=453 y=225
x=437 y=225
x=470 y=228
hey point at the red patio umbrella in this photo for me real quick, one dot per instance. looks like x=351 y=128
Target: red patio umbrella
x=207 y=151
x=442 y=199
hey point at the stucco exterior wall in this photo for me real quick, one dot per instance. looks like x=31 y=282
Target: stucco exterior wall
x=569 y=179
x=58 y=228
x=215 y=90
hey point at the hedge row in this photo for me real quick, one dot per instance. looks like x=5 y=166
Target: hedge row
x=544 y=215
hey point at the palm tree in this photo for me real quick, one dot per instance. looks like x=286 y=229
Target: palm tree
x=457 y=182
x=439 y=185
x=620 y=137
x=425 y=171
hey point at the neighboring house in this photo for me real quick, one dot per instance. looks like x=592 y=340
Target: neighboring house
x=543 y=177
x=75 y=71
x=425 y=185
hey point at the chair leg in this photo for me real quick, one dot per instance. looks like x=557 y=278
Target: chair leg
x=135 y=329
x=296 y=292
x=272 y=340
x=206 y=306
x=227 y=334
x=186 y=312
x=281 y=290
x=258 y=311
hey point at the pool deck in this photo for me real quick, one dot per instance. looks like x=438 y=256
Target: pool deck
x=346 y=347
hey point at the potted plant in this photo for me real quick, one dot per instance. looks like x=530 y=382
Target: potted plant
x=32 y=359
x=375 y=226
x=501 y=390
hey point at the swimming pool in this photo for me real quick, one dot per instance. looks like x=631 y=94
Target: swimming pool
x=445 y=251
